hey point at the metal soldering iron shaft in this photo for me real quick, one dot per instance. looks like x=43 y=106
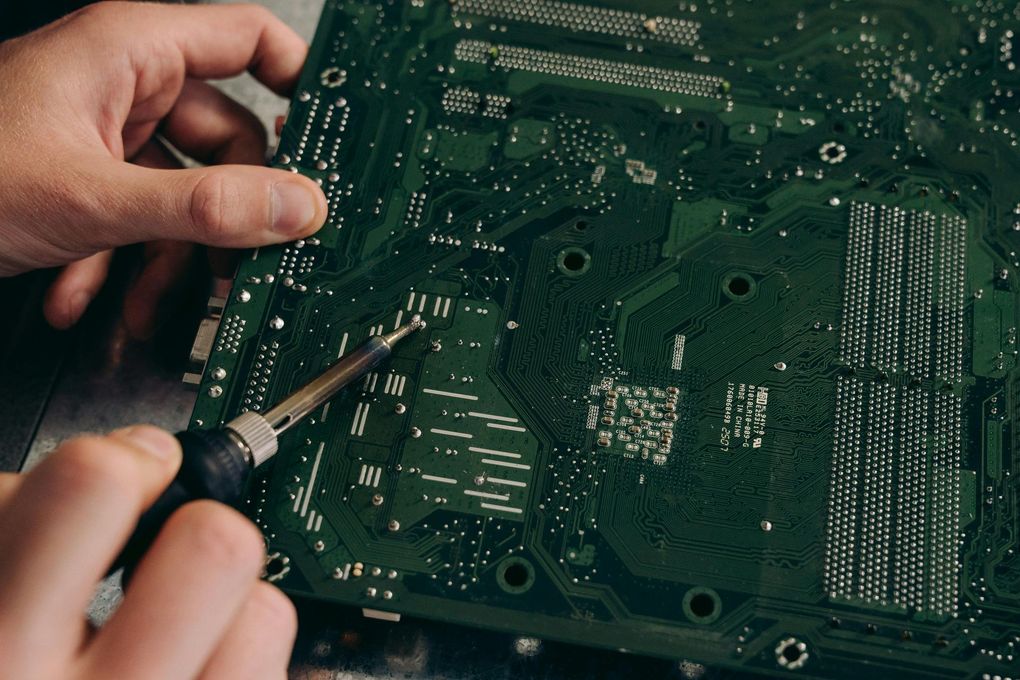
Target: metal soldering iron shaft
x=350 y=368
x=216 y=464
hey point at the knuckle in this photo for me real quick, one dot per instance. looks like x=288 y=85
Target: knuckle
x=221 y=535
x=274 y=609
x=258 y=12
x=94 y=10
x=92 y=464
x=212 y=203
x=99 y=13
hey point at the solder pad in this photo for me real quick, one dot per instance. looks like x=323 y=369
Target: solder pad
x=721 y=351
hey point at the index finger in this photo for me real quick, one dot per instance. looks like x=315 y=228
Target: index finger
x=217 y=41
x=64 y=524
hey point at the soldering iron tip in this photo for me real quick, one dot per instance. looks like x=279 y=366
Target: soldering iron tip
x=416 y=323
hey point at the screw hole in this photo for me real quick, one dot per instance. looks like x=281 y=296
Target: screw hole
x=515 y=575
x=276 y=567
x=573 y=261
x=792 y=654
x=581 y=225
x=739 y=286
x=702 y=605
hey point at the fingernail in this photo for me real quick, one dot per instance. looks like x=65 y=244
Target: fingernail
x=159 y=443
x=293 y=208
x=76 y=305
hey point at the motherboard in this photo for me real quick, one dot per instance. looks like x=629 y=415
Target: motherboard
x=721 y=351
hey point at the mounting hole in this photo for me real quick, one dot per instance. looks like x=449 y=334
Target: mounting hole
x=276 y=567
x=702 y=605
x=739 y=286
x=791 y=653
x=334 y=77
x=699 y=125
x=515 y=575
x=580 y=225
x=573 y=261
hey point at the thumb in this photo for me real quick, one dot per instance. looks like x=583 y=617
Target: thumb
x=229 y=206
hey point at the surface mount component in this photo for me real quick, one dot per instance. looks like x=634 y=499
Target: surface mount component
x=720 y=362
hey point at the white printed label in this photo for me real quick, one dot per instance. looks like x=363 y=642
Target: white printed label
x=744 y=416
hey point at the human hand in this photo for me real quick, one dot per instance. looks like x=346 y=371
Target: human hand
x=87 y=104
x=195 y=608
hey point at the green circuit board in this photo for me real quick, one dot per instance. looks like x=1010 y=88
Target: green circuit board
x=720 y=363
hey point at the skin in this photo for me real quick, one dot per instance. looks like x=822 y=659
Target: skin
x=89 y=108
x=90 y=104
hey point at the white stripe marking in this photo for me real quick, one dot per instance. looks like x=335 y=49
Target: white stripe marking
x=455 y=395
x=357 y=415
x=343 y=345
x=325 y=412
x=500 y=426
x=494 y=452
x=421 y=304
x=439 y=301
x=364 y=417
x=378 y=474
x=389 y=381
x=311 y=521
x=451 y=433
x=446 y=308
x=311 y=480
x=410 y=302
x=503 y=463
x=400 y=390
x=375 y=379
x=489 y=416
x=297 y=499
x=361 y=477
x=400 y=315
x=504 y=508
x=486 y=494
x=318 y=522
x=433 y=478
x=507 y=482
